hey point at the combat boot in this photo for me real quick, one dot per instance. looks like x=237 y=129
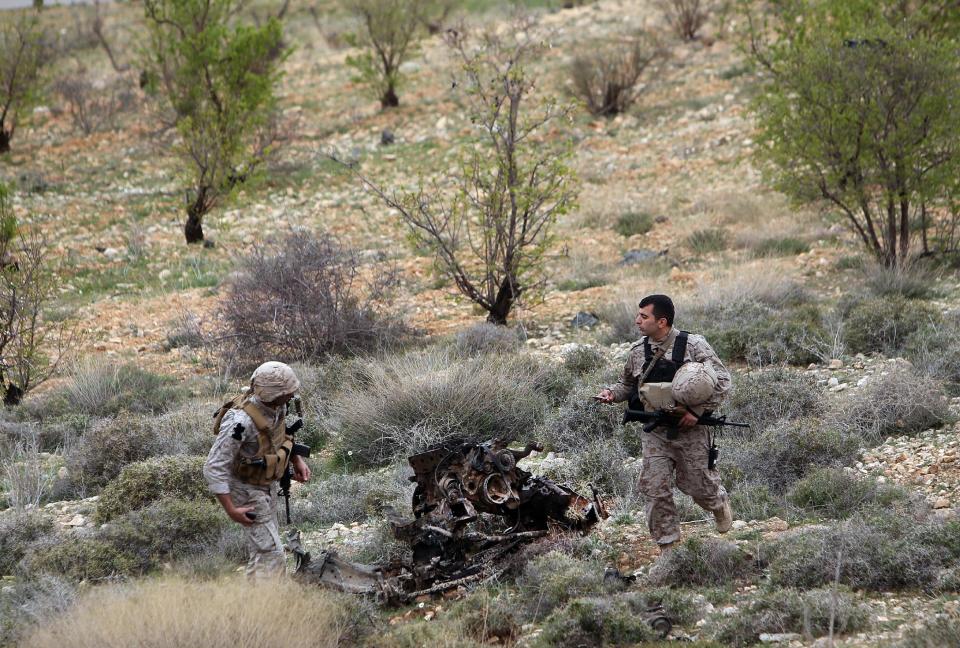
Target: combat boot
x=724 y=517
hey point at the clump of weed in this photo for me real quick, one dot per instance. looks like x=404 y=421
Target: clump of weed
x=703 y=562
x=144 y=482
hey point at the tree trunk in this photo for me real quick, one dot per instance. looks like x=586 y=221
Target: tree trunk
x=506 y=295
x=389 y=99
x=193 y=228
x=12 y=396
x=4 y=140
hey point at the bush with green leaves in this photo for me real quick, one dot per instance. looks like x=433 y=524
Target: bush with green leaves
x=838 y=493
x=584 y=359
x=216 y=77
x=144 y=482
x=109 y=445
x=785 y=246
x=388 y=35
x=763 y=397
x=855 y=112
x=550 y=580
x=784 y=452
x=597 y=621
x=682 y=606
x=898 y=401
x=755 y=501
x=488 y=615
x=816 y=613
x=633 y=223
x=701 y=561
x=883 y=324
x=708 y=240
x=25 y=49
x=581 y=421
x=909 y=281
x=81 y=559
x=402 y=404
x=18 y=529
x=875 y=550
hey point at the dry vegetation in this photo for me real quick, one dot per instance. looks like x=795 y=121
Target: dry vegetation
x=310 y=267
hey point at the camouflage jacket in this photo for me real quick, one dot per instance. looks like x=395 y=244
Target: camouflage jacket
x=230 y=445
x=698 y=350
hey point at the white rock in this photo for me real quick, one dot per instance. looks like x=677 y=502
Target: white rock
x=164 y=274
x=833 y=382
x=778 y=637
x=77 y=521
x=836 y=363
x=739 y=524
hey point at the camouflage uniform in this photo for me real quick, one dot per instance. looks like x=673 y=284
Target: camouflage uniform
x=685 y=457
x=265 y=550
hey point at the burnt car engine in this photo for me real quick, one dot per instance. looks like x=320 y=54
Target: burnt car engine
x=460 y=490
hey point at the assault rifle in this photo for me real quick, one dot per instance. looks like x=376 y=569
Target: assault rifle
x=298 y=449
x=671 y=418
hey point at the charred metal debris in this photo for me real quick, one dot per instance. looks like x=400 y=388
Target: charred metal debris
x=455 y=487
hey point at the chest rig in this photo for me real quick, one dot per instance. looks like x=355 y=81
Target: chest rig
x=274 y=445
x=663 y=369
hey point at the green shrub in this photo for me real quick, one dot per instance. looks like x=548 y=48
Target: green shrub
x=103 y=389
x=165 y=530
x=580 y=421
x=352 y=497
x=550 y=580
x=488 y=616
x=876 y=550
x=682 y=606
x=910 y=281
x=705 y=241
x=901 y=402
x=82 y=559
x=758 y=333
x=837 y=493
x=17 y=530
x=139 y=484
x=110 y=444
x=942 y=631
x=753 y=501
x=785 y=246
x=404 y=404
x=633 y=223
x=783 y=453
x=596 y=621
x=783 y=611
x=602 y=464
x=486 y=338
x=883 y=324
x=583 y=359
x=762 y=398
x=703 y=562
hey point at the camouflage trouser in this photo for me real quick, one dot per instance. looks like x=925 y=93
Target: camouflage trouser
x=265 y=551
x=687 y=456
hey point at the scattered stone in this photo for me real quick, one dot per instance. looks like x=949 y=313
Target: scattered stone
x=833 y=382
x=739 y=525
x=164 y=274
x=778 y=637
x=836 y=363
x=941 y=503
x=776 y=524
x=584 y=319
x=387 y=137
x=76 y=521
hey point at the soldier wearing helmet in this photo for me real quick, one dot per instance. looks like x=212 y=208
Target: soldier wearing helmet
x=249 y=456
x=666 y=367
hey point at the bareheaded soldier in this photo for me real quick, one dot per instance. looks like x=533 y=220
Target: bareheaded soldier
x=249 y=456
x=693 y=376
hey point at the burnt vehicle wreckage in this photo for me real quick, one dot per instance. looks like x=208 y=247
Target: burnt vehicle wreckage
x=458 y=489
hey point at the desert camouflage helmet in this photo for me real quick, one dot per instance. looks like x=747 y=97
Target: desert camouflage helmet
x=694 y=384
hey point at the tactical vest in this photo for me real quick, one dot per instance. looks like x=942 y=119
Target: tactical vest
x=664 y=370
x=274 y=445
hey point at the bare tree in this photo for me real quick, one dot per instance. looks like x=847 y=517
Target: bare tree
x=490 y=232
x=686 y=17
x=608 y=79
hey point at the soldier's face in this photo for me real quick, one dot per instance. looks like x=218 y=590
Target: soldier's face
x=648 y=323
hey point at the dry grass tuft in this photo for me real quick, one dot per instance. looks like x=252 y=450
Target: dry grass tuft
x=178 y=612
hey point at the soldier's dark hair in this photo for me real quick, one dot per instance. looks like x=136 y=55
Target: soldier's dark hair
x=662 y=307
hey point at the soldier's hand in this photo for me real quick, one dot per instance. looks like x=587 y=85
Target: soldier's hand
x=301 y=471
x=605 y=396
x=239 y=515
x=688 y=421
